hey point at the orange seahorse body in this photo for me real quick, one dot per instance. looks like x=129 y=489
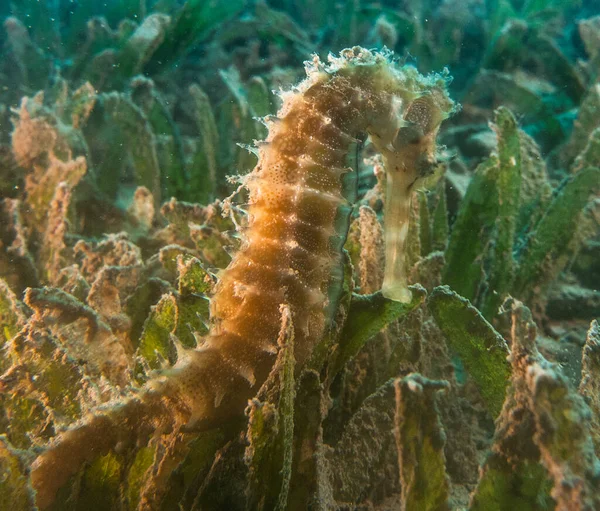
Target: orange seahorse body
x=301 y=194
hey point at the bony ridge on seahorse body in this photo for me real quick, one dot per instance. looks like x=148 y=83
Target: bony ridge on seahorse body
x=301 y=195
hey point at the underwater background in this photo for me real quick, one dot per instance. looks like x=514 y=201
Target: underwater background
x=124 y=128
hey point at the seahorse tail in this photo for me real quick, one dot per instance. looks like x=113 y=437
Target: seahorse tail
x=113 y=425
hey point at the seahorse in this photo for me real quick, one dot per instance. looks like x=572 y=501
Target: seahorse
x=301 y=195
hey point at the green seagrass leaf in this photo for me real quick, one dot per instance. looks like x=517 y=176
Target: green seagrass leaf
x=481 y=349
x=550 y=244
x=368 y=314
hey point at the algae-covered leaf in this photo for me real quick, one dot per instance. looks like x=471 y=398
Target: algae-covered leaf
x=369 y=314
x=171 y=254
x=512 y=476
x=561 y=419
x=140 y=46
x=169 y=146
x=11 y=315
x=193 y=277
x=271 y=428
x=33 y=64
x=259 y=100
x=180 y=214
x=101 y=483
x=235 y=121
x=506 y=485
x=81 y=105
x=192 y=301
x=536 y=190
x=420 y=440
x=508 y=186
x=23 y=420
x=364 y=446
x=590 y=155
x=563 y=423
x=155 y=343
x=589 y=387
x=16 y=493
x=531 y=7
x=439 y=228
x=584 y=125
x=472 y=231
x=372 y=251
x=42 y=390
x=192 y=21
x=425 y=234
x=72 y=322
x=203 y=168
x=322 y=349
x=17 y=265
x=42 y=189
x=498 y=12
x=589 y=31
x=190 y=474
x=148 y=476
x=309 y=465
x=505 y=197
x=51 y=256
x=482 y=350
x=518 y=92
x=137 y=306
x=550 y=242
x=137 y=474
x=136 y=138
x=59 y=380
x=556 y=64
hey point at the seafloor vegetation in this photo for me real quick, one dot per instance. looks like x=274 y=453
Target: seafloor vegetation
x=120 y=122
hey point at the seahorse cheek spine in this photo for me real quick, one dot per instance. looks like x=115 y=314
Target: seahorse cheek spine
x=301 y=193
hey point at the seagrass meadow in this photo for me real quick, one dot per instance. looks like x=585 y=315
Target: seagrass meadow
x=300 y=255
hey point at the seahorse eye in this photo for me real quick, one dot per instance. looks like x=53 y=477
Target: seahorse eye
x=420 y=113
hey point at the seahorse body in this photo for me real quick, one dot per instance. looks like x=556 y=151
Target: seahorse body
x=301 y=194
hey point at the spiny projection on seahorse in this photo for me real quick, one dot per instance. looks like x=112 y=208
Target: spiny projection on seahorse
x=301 y=194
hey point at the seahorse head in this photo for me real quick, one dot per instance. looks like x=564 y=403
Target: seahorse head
x=409 y=155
